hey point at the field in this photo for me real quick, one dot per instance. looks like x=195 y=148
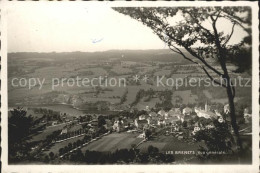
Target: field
x=42 y=135
x=184 y=97
x=112 y=142
x=153 y=63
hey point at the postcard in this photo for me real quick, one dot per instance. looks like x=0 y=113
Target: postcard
x=129 y=86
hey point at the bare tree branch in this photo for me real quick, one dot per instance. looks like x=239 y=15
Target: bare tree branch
x=203 y=68
x=232 y=31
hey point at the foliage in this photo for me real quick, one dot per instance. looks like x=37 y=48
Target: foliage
x=121 y=156
x=101 y=121
x=217 y=139
x=19 y=125
x=148 y=133
x=192 y=32
x=191 y=29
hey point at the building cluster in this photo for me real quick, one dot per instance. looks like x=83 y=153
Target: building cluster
x=174 y=117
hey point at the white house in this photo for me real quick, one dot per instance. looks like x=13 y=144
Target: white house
x=143 y=117
x=226 y=109
x=118 y=125
x=174 y=112
x=162 y=112
x=64 y=131
x=247 y=115
x=206 y=114
x=140 y=123
x=187 y=111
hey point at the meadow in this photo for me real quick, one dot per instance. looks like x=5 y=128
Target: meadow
x=113 y=142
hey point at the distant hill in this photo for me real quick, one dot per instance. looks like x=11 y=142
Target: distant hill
x=128 y=55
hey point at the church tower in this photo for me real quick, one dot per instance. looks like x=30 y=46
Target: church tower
x=206 y=106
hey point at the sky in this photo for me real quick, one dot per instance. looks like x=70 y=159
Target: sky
x=66 y=28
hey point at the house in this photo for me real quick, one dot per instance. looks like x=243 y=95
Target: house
x=173 y=119
x=168 y=122
x=247 y=116
x=94 y=123
x=175 y=128
x=140 y=123
x=118 y=126
x=195 y=130
x=161 y=122
x=186 y=111
x=64 y=131
x=152 y=120
x=162 y=112
x=54 y=123
x=91 y=131
x=152 y=114
x=147 y=108
x=175 y=112
x=226 y=109
x=143 y=117
x=182 y=118
x=206 y=114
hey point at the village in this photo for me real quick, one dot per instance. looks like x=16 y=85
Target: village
x=59 y=135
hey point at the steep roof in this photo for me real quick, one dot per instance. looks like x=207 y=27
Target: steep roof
x=162 y=112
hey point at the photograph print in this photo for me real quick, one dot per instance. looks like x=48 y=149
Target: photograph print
x=123 y=85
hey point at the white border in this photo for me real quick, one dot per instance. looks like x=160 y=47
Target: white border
x=134 y=168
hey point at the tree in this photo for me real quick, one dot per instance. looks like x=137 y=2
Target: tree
x=70 y=146
x=216 y=139
x=148 y=133
x=61 y=151
x=152 y=150
x=46 y=159
x=101 y=121
x=51 y=155
x=19 y=125
x=198 y=43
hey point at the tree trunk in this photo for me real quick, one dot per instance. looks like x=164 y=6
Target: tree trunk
x=222 y=60
x=232 y=113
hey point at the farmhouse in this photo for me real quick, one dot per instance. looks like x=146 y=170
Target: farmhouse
x=143 y=117
x=91 y=131
x=162 y=112
x=187 y=111
x=226 y=109
x=118 y=125
x=152 y=120
x=174 y=112
x=172 y=120
x=140 y=123
x=206 y=114
x=64 y=131
x=247 y=115
x=161 y=122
